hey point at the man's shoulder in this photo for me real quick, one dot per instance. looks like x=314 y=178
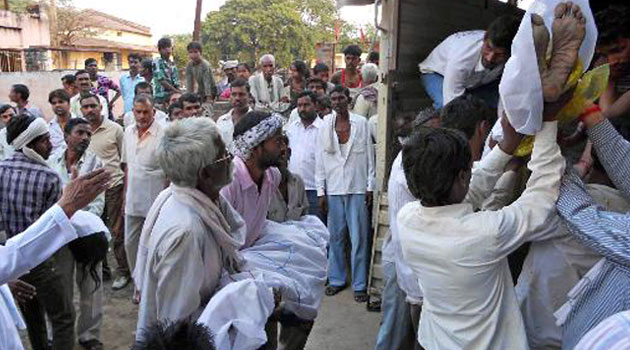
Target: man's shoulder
x=112 y=125
x=19 y=162
x=226 y=117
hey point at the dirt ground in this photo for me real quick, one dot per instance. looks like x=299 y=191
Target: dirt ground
x=342 y=324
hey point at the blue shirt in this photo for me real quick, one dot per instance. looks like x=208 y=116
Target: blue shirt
x=127 y=86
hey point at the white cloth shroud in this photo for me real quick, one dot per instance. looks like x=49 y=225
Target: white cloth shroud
x=289 y=257
x=520 y=91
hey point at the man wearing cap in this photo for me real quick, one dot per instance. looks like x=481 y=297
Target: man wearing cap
x=28 y=187
x=257 y=148
x=229 y=68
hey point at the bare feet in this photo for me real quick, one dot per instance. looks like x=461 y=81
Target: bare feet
x=541 y=41
x=569 y=29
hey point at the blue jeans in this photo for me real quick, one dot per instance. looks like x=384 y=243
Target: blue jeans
x=433 y=84
x=348 y=213
x=313 y=205
x=396 y=331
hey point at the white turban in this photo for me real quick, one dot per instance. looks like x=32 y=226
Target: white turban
x=36 y=129
x=243 y=144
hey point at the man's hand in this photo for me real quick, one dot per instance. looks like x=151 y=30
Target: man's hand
x=82 y=190
x=323 y=205
x=552 y=109
x=511 y=138
x=369 y=197
x=22 y=291
x=585 y=164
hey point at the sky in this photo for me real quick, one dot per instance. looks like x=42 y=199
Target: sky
x=177 y=17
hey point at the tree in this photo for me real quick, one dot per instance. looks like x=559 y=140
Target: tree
x=246 y=29
x=180 y=54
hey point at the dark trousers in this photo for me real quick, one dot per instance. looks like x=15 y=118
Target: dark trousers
x=52 y=300
x=112 y=215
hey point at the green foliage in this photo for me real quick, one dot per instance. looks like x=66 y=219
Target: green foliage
x=246 y=29
x=180 y=55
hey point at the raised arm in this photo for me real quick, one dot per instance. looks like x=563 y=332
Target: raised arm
x=603 y=231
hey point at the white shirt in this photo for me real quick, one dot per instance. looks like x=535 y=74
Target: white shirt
x=336 y=174
x=552 y=268
x=303 y=141
x=57 y=136
x=225 y=123
x=460 y=256
x=129 y=119
x=145 y=177
x=458 y=60
x=6 y=150
x=75 y=106
x=183 y=266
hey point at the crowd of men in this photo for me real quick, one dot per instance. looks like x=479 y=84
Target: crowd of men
x=186 y=194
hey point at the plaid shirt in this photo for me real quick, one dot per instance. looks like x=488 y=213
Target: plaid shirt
x=27 y=190
x=103 y=85
x=164 y=70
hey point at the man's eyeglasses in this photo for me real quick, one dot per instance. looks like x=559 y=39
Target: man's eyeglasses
x=227 y=158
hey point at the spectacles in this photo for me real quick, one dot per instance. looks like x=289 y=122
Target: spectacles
x=227 y=158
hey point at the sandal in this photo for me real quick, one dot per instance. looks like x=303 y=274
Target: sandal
x=332 y=290
x=361 y=297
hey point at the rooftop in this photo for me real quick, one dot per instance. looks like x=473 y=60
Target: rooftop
x=106 y=21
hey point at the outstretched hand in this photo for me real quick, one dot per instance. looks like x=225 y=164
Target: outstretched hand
x=82 y=190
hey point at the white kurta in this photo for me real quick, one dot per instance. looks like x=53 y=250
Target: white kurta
x=550 y=271
x=461 y=255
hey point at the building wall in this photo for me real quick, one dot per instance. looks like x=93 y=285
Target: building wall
x=76 y=59
x=41 y=84
x=20 y=31
x=125 y=37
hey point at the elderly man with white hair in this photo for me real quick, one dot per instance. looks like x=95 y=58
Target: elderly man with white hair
x=368 y=96
x=191 y=234
x=267 y=88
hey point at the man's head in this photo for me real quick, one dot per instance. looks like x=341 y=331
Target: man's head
x=173 y=97
x=471 y=116
x=317 y=85
x=191 y=105
x=374 y=57
x=406 y=122
x=497 y=43
x=77 y=134
x=19 y=93
x=194 y=51
x=306 y=106
x=299 y=70
x=175 y=111
x=143 y=87
x=183 y=335
x=27 y=131
x=243 y=71
x=143 y=111
x=60 y=102
x=340 y=99
x=69 y=82
x=146 y=69
x=7 y=112
x=134 y=61
x=267 y=65
x=239 y=97
x=257 y=139
x=165 y=47
x=229 y=68
x=352 y=55
x=192 y=154
x=613 y=24
x=91 y=66
x=323 y=106
x=83 y=81
x=369 y=73
x=91 y=108
x=285 y=153
x=321 y=71
x=437 y=164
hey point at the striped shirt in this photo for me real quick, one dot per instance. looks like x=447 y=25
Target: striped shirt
x=604 y=232
x=612 y=334
x=27 y=190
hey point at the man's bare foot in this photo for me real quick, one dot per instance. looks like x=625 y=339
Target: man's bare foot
x=541 y=41
x=569 y=29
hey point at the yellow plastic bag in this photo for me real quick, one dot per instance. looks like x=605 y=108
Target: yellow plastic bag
x=589 y=88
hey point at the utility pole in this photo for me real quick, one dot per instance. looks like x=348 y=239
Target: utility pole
x=54 y=33
x=197 y=21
